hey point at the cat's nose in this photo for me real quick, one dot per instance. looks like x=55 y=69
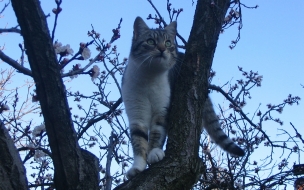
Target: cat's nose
x=161 y=48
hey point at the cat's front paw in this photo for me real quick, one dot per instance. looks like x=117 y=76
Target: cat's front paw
x=138 y=166
x=155 y=155
x=133 y=172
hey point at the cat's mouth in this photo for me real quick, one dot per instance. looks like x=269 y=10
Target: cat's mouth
x=161 y=55
x=159 y=58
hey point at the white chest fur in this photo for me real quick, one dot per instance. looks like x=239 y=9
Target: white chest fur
x=144 y=93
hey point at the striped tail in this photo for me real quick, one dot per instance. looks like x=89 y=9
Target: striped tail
x=213 y=128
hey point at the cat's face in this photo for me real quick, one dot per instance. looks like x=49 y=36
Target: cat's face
x=153 y=49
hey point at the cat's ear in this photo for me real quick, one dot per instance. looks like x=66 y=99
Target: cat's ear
x=171 y=28
x=139 y=27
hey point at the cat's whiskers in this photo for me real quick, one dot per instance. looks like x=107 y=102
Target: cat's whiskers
x=144 y=55
x=142 y=63
x=150 y=61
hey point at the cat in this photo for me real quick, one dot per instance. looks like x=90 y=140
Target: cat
x=146 y=95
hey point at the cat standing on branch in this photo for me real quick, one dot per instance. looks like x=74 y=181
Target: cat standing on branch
x=146 y=95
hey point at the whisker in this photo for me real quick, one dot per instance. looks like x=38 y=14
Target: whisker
x=142 y=63
x=144 y=55
x=151 y=61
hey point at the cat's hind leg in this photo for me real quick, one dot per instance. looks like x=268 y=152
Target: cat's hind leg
x=139 y=141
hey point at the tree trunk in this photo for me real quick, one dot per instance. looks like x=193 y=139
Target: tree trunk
x=182 y=166
x=73 y=168
x=12 y=172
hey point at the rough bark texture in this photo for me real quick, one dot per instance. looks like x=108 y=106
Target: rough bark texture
x=12 y=171
x=74 y=169
x=181 y=167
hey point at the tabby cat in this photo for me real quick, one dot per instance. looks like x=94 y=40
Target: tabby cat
x=146 y=95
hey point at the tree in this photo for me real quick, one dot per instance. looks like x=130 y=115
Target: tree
x=183 y=166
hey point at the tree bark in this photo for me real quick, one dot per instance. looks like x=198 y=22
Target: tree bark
x=12 y=171
x=73 y=168
x=182 y=166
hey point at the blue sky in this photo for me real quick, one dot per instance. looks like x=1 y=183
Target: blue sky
x=272 y=43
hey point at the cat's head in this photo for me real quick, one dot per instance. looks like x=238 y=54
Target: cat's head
x=153 y=49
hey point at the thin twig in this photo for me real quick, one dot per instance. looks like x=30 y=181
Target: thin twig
x=108 y=176
x=103 y=116
x=240 y=111
x=297 y=133
x=56 y=18
x=4 y=7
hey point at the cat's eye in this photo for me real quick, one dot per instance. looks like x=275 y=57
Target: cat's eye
x=168 y=43
x=150 y=42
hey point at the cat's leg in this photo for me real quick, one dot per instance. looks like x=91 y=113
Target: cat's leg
x=139 y=141
x=157 y=136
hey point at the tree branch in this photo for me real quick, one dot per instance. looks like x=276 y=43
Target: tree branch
x=4 y=7
x=15 y=64
x=14 y=29
x=103 y=116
